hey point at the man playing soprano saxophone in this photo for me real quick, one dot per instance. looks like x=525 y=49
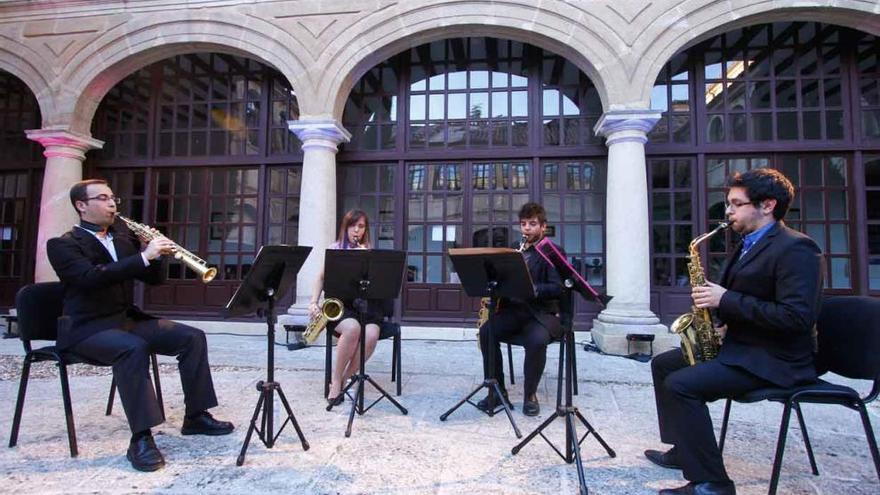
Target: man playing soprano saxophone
x=98 y=261
x=768 y=302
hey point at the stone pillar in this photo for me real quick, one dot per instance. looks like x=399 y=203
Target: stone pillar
x=64 y=152
x=317 y=204
x=627 y=231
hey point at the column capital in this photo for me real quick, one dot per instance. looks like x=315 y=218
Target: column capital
x=319 y=133
x=63 y=143
x=620 y=126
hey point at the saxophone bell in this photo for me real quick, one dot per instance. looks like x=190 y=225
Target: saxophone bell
x=332 y=309
x=699 y=340
x=146 y=234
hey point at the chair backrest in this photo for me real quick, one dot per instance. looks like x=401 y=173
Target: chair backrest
x=849 y=337
x=39 y=306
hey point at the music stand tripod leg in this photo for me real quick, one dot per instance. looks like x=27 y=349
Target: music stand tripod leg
x=491 y=382
x=292 y=418
x=566 y=411
x=251 y=428
x=361 y=378
x=267 y=389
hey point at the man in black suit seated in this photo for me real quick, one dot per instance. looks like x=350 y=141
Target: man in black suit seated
x=767 y=304
x=531 y=323
x=98 y=261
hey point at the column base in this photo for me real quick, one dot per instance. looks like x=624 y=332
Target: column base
x=611 y=337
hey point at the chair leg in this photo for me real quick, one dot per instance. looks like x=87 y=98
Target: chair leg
x=574 y=372
x=723 y=434
x=510 y=364
x=869 y=434
x=780 y=448
x=394 y=359
x=328 y=361
x=399 y=361
x=19 y=403
x=68 y=409
x=158 y=385
x=807 y=444
x=111 y=397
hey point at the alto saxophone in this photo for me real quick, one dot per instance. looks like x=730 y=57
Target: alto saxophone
x=146 y=234
x=331 y=310
x=699 y=340
x=483 y=314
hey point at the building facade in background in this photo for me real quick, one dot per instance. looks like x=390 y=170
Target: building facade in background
x=234 y=124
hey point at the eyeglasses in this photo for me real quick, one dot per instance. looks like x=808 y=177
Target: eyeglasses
x=105 y=198
x=733 y=205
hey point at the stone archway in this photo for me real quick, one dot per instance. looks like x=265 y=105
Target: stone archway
x=129 y=47
x=388 y=32
x=667 y=35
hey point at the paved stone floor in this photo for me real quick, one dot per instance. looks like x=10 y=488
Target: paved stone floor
x=395 y=454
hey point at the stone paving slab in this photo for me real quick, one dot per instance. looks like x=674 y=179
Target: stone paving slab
x=390 y=453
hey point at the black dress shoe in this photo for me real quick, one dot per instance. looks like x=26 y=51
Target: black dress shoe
x=531 y=407
x=144 y=455
x=704 y=488
x=335 y=401
x=205 y=424
x=483 y=405
x=666 y=459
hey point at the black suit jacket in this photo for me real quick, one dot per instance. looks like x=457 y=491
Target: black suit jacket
x=771 y=307
x=548 y=288
x=99 y=292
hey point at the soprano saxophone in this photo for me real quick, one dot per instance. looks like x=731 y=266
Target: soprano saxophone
x=146 y=234
x=699 y=340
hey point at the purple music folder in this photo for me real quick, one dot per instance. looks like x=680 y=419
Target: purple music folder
x=550 y=252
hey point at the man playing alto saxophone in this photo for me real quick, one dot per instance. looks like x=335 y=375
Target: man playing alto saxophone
x=768 y=300
x=97 y=262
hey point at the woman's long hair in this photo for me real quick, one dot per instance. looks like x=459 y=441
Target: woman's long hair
x=352 y=217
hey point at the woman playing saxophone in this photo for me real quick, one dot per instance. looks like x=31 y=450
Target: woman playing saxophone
x=354 y=233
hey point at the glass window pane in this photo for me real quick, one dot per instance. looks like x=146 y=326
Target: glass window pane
x=435 y=110
x=417 y=107
x=874 y=239
x=839 y=238
x=837 y=209
x=817 y=233
x=458 y=108
x=662 y=239
x=662 y=273
x=433 y=270
x=787 y=125
x=550 y=102
x=519 y=104
x=414 y=269
x=814 y=205
x=683 y=205
x=762 y=126
x=571 y=241
x=840 y=273
x=661 y=208
x=874 y=274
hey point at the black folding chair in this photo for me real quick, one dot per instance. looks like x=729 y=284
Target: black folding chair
x=849 y=343
x=388 y=329
x=39 y=309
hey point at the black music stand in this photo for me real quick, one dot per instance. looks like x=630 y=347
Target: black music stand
x=351 y=274
x=572 y=282
x=269 y=278
x=492 y=273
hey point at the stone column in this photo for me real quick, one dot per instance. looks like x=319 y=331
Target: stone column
x=627 y=231
x=64 y=152
x=317 y=204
